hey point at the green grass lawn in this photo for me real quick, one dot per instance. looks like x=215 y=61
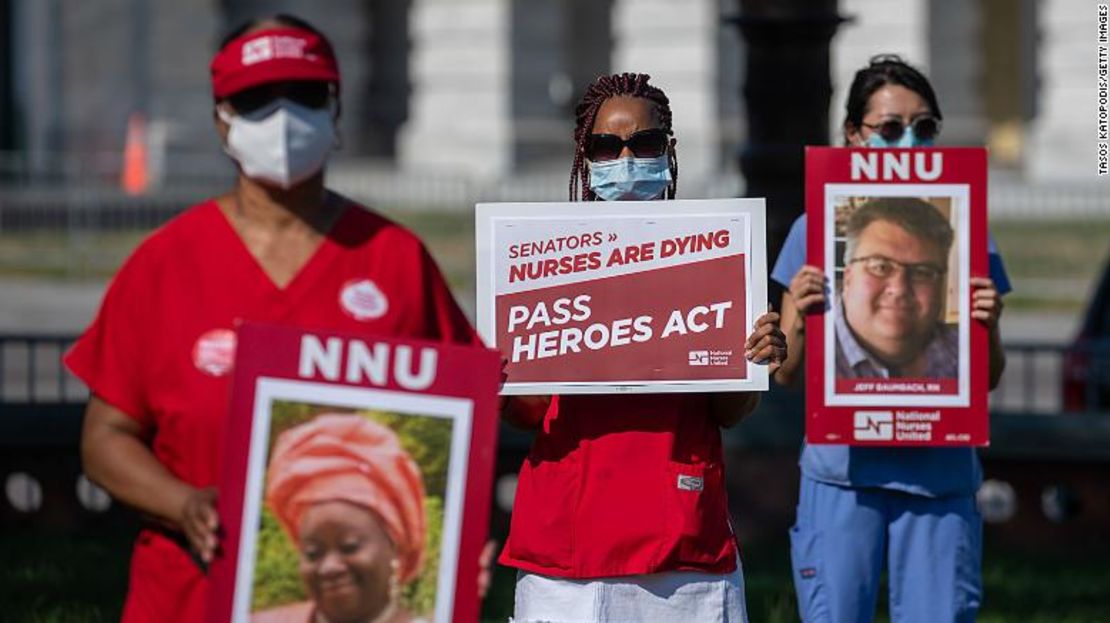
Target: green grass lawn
x=1053 y=265
x=57 y=576
x=58 y=255
x=450 y=238
x=1026 y=587
x=97 y=255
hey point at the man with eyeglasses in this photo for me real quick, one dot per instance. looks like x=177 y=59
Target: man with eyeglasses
x=893 y=289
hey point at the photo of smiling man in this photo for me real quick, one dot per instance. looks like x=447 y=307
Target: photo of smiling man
x=897 y=315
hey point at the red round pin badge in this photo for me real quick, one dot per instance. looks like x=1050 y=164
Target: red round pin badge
x=214 y=352
x=363 y=300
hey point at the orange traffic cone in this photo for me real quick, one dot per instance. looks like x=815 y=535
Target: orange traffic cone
x=134 y=179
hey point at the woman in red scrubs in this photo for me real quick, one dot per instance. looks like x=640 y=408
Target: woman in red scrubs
x=621 y=512
x=278 y=247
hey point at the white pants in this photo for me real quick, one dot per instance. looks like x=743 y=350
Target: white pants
x=673 y=596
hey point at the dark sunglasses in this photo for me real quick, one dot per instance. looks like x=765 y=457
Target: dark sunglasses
x=311 y=94
x=925 y=127
x=650 y=143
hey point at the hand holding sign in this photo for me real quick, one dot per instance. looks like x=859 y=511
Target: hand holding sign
x=200 y=522
x=986 y=303
x=808 y=288
x=766 y=344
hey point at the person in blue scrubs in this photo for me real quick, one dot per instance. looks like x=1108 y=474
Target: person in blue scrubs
x=860 y=508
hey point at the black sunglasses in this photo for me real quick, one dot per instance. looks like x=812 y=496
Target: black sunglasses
x=311 y=94
x=650 y=143
x=925 y=127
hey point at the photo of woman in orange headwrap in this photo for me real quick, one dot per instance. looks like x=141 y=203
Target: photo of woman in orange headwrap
x=352 y=502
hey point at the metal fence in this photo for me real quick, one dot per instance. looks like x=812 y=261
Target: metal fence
x=41 y=408
x=82 y=191
x=31 y=370
x=1040 y=379
x=1051 y=378
x=72 y=190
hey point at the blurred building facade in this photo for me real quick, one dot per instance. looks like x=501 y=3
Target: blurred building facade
x=1015 y=75
x=486 y=88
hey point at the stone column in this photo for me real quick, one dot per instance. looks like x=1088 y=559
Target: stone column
x=956 y=68
x=676 y=42
x=1062 y=139
x=541 y=135
x=181 y=89
x=385 y=98
x=38 y=78
x=460 y=109
x=876 y=26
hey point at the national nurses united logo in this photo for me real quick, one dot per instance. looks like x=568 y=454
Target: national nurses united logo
x=699 y=358
x=214 y=352
x=363 y=300
x=710 y=357
x=874 y=425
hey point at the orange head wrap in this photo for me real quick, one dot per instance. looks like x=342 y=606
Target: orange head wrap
x=349 y=458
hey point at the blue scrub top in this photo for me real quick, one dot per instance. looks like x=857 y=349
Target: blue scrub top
x=932 y=472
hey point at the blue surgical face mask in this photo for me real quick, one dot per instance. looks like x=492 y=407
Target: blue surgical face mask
x=908 y=139
x=630 y=179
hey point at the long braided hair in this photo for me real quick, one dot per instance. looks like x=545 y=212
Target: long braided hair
x=605 y=87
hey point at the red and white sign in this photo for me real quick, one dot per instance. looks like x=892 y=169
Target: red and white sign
x=397 y=432
x=896 y=359
x=646 y=296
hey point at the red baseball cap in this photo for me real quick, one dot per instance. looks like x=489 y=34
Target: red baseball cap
x=272 y=55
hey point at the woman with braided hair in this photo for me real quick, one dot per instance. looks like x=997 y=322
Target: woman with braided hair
x=621 y=512
x=655 y=140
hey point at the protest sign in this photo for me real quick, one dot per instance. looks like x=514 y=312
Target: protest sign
x=896 y=358
x=631 y=296
x=368 y=455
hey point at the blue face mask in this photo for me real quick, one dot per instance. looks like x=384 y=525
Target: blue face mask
x=630 y=179
x=908 y=139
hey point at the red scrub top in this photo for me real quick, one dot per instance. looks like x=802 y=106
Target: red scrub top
x=161 y=345
x=623 y=485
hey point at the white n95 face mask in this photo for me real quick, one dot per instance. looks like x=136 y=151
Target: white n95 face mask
x=283 y=143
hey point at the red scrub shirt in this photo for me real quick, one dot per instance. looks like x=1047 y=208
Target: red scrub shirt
x=161 y=346
x=623 y=485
